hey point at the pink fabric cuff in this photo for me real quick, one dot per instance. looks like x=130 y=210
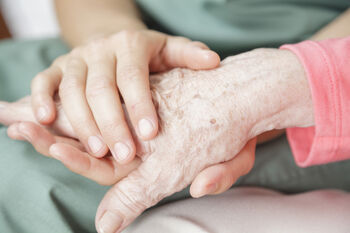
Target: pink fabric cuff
x=327 y=66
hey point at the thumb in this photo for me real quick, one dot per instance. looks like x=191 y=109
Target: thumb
x=220 y=177
x=125 y=201
x=182 y=52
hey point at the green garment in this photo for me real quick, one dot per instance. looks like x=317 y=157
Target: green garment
x=232 y=26
x=39 y=195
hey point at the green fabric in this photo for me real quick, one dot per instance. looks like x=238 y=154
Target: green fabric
x=232 y=26
x=39 y=195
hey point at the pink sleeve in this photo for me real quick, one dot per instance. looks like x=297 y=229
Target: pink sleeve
x=327 y=65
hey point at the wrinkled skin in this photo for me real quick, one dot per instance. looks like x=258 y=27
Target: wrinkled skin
x=205 y=118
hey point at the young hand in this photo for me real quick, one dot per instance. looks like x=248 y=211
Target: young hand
x=92 y=78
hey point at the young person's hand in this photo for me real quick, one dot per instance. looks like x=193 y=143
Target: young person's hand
x=92 y=78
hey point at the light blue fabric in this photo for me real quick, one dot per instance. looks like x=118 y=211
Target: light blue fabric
x=39 y=195
x=232 y=26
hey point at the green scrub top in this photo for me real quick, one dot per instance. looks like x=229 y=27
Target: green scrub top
x=233 y=26
x=40 y=195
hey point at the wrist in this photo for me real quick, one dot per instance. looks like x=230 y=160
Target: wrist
x=101 y=30
x=278 y=93
x=121 y=24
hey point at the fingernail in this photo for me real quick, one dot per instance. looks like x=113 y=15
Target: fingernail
x=54 y=152
x=109 y=223
x=209 y=189
x=41 y=113
x=22 y=131
x=145 y=127
x=121 y=150
x=212 y=188
x=95 y=144
x=206 y=53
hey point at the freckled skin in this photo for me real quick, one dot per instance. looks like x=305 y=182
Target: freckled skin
x=206 y=117
x=247 y=95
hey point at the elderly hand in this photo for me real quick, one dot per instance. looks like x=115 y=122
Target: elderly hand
x=90 y=78
x=206 y=117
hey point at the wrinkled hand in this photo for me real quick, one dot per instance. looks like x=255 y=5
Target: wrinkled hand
x=91 y=79
x=206 y=117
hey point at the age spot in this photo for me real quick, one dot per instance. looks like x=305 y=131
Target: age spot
x=212 y=121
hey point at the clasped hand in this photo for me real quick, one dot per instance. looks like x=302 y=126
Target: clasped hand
x=205 y=119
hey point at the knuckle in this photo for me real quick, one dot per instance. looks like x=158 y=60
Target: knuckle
x=96 y=88
x=68 y=86
x=80 y=126
x=134 y=202
x=76 y=52
x=97 y=46
x=109 y=128
x=134 y=193
x=129 y=73
x=75 y=62
x=60 y=60
x=39 y=78
x=83 y=127
x=126 y=35
x=141 y=105
x=128 y=39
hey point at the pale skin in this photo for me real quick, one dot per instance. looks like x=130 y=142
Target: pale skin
x=88 y=84
x=117 y=58
x=321 y=36
x=105 y=171
x=101 y=114
x=198 y=130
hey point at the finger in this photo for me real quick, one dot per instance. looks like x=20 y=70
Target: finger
x=74 y=103
x=182 y=52
x=5 y=119
x=141 y=189
x=14 y=112
x=38 y=136
x=13 y=132
x=133 y=84
x=104 y=171
x=220 y=177
x=103 y=98
x=43 y=88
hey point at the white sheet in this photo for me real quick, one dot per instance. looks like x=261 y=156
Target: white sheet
x=30 y=18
